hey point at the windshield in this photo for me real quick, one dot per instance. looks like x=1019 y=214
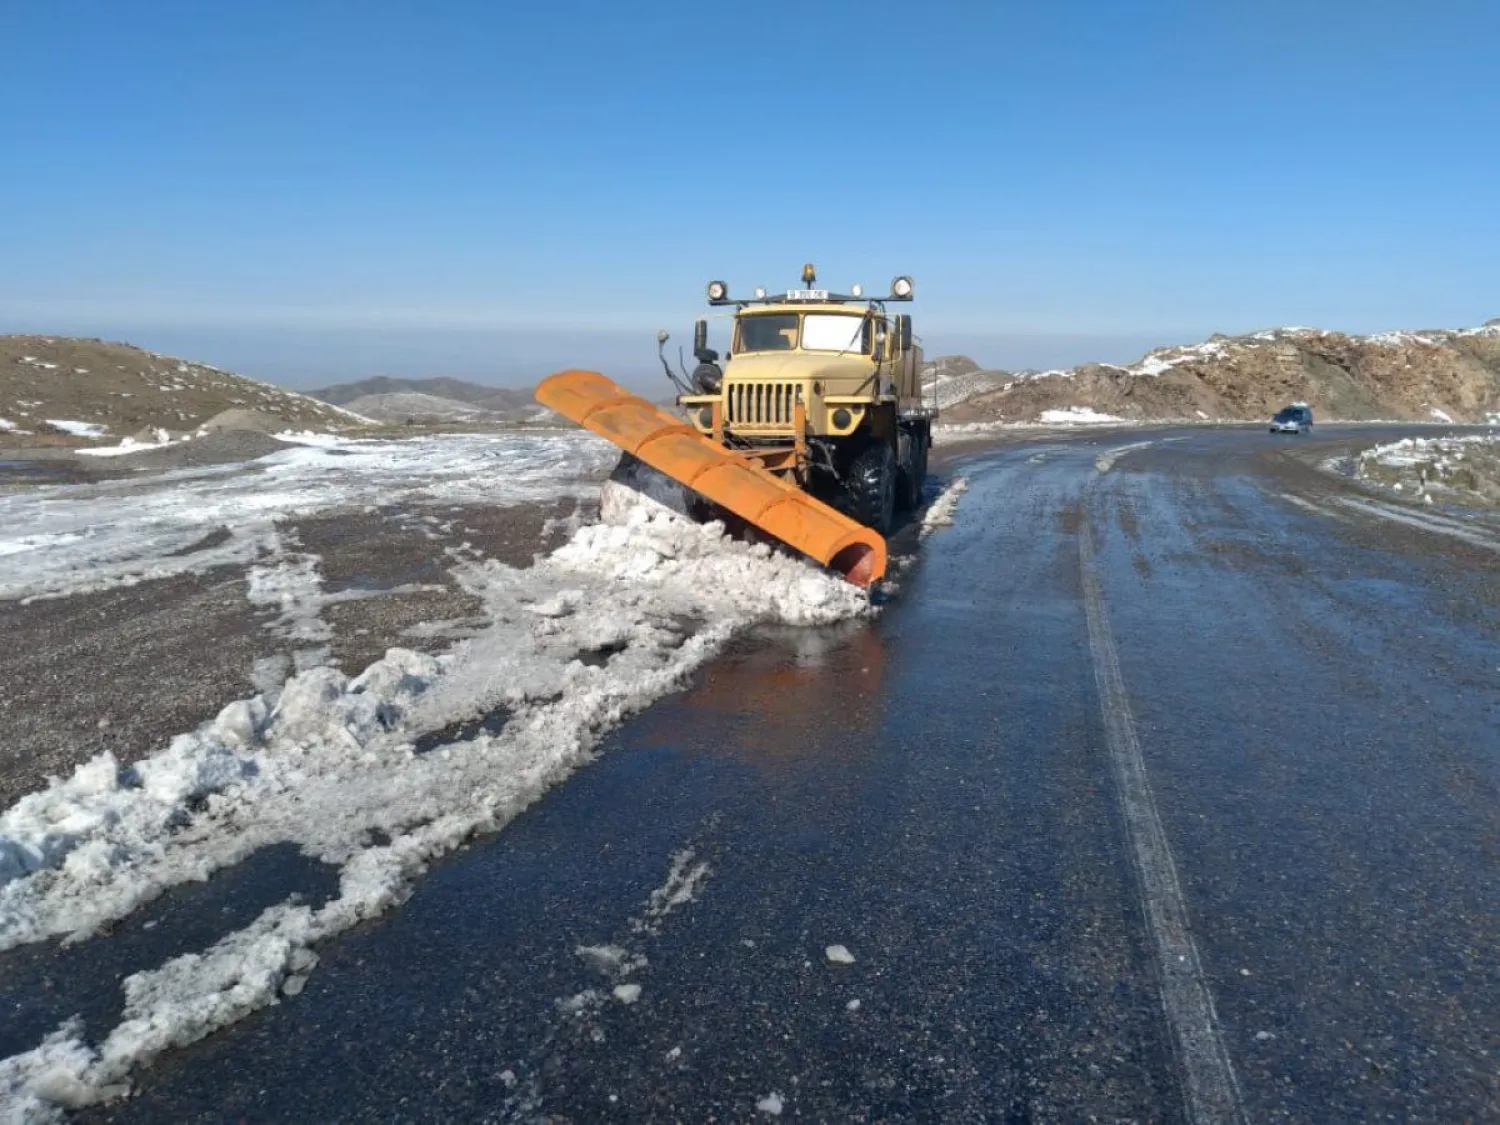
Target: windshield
x=832 y=332
x=821 y=332
x=769 y=332
x=1290 y=414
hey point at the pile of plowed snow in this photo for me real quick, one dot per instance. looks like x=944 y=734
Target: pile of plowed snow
x=1453 y=470
x=612 y=620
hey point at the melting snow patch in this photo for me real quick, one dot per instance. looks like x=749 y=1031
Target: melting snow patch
x=771 y=1104
x=161 y=439
x=1075 y=415
x=77 y=429
x=118 y=533
x=838 y=955
x=1106 y=461
x=627 y=993
x=328 y=763
x=684 y=879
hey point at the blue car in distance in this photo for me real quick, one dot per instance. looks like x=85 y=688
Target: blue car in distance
x=1294 y=419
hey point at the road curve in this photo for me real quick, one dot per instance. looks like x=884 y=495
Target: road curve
x=1167 y=789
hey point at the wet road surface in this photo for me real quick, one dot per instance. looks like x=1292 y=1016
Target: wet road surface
x=1168 y=789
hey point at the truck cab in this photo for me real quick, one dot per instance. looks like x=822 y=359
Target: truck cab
x=824 y=389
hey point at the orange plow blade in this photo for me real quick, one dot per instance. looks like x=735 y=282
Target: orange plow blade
x=672 y=446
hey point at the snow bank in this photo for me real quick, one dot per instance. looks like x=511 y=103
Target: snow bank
x=118 y=533
x=329 y=764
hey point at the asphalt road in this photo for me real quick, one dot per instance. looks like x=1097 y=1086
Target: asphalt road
x=1167 y=789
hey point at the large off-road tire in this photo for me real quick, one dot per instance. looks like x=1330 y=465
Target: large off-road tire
x=911 y=473
x=870 y=487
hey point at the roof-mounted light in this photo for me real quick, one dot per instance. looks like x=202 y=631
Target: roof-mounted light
x=760 y=292
x=856 y=290
x=717 y=291
x=902 y=287
x=809 y=274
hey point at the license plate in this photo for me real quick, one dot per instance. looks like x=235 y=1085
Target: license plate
x=807 y=294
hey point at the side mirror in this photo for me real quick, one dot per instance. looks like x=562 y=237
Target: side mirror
x=700 y=336
x=903 y=331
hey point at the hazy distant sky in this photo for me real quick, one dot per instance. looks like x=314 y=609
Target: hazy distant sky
x=319 y=190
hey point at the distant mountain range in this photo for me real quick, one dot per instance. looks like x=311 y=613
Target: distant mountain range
x=1435 y=375
x=61 y=390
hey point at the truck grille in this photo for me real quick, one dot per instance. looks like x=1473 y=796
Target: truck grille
x=762 y=404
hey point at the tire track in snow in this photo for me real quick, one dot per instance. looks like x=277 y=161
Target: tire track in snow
x=1209 y=1084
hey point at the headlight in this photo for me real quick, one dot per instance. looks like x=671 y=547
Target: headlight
x=706 y=417
x=841 y=418
x=901 y=287
x=717 y=290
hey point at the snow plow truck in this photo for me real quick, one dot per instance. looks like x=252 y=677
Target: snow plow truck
x=815 y=428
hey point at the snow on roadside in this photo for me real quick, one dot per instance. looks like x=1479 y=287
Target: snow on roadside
x=161 y=439
x=1460 y=470
x=117 y=533
x=329 y=763
x=940 y=512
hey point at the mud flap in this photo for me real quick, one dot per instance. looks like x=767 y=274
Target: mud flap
x=761 y=499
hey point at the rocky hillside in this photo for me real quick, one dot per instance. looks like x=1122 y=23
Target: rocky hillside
x=414 y=406
x=60 y=390
x=441 y=399
x=497 y=399
x=1437 y=375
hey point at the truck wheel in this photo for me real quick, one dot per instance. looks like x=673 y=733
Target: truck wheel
x=870 y=487
x=908 y=466
x=912 y=474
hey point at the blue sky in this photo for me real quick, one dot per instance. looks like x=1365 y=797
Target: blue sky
x=309 y=190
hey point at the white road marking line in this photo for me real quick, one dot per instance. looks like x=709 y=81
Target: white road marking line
x=1439 y=525
x=1209 y=1084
